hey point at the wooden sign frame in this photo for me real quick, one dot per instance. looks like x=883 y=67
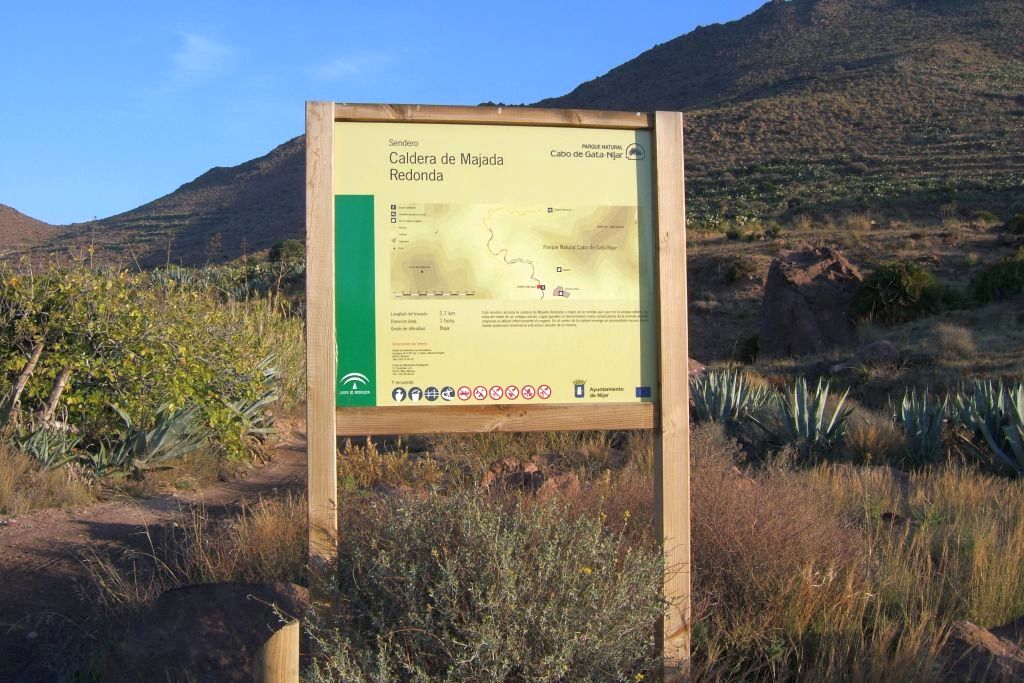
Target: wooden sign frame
x=669 y=417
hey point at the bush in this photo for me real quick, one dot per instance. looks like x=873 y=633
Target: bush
x=25 y=486
x=136 y=347
x=454 y=589
x=898 y=292
x=1016 y=224
x=287 y=251
x=998 y=282
x=735 y=233
x=953 y=342
x=741 y=267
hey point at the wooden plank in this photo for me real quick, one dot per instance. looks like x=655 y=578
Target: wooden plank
x=516 y=116
x=322 y=484
x=505 y=418
x=672 y=450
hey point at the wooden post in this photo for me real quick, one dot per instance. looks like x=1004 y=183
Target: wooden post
x=278 y=660
x=321 y=354
x=672 y=441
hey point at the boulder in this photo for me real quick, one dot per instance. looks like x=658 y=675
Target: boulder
x=806 y=305
x=974 y=653
x=697 y=369
x=510 y=474
x=206 y=632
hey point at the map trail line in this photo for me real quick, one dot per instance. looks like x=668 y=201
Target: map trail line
x=503 y=252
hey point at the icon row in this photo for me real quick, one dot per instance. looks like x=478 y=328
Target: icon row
x=464 y=393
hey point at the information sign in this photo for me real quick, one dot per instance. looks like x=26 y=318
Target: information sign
x=501 y=256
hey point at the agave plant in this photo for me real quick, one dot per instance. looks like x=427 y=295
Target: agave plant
x=984 y=401
x=256 y=420
x=922 y=425
x=725 y=395
x=51 y=448
x=802 y=414
x=175 y=435
x=996 y=413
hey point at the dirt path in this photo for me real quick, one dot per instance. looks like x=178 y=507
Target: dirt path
x=41 y=610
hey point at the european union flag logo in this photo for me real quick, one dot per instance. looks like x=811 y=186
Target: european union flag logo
x=643 y=392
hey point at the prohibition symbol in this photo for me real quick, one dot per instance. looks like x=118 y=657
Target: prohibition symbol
x=464 y=393
x=497 y=392
x=512 y=392
x=544 y=391
x=480 y=393
x=528 y=392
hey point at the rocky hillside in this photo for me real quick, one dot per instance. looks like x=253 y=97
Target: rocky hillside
x=912 y=108
x=839 y=105
x=18 y=230
x=218 y=216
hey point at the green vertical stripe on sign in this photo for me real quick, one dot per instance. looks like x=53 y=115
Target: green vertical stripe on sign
x=355 y=313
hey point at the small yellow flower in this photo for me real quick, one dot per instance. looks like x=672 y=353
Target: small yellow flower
x=587 y=570
x=640 y=677
x=626 y=515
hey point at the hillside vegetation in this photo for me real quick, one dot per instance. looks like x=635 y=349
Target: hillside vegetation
x=831 y=105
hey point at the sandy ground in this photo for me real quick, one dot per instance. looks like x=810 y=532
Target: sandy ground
x=41 y=609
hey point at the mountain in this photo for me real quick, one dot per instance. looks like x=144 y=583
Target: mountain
x=18 y=230
x=822 y=107
x=220 y=215
x=827 y=106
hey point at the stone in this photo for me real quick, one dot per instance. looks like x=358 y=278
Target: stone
x=559 y=485
x=206 y=632
x=974 y=653
x=806 y=304
x=510 y=473
x=696 y=369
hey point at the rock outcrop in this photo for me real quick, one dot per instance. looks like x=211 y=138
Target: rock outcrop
x=806 y=305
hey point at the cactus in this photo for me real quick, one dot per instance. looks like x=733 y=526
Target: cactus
x=922 y=425
x=725 y=395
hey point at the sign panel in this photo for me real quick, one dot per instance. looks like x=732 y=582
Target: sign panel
x=493 y=264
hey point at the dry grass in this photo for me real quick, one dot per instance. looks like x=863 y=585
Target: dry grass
x=840 y=572
x=953 y=343
x=264 y=542
x=873 y=438
x=25 y=487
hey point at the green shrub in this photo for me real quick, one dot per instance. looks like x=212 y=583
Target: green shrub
x=1016 y=224
x=461 y=589
x=287 y=251
x=986 y=218
x=899 y=292
x=747 y=348
x=740 y=267
x=141 y=345
x=998 y=281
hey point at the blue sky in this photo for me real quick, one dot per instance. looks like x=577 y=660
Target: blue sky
x=107 y=105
